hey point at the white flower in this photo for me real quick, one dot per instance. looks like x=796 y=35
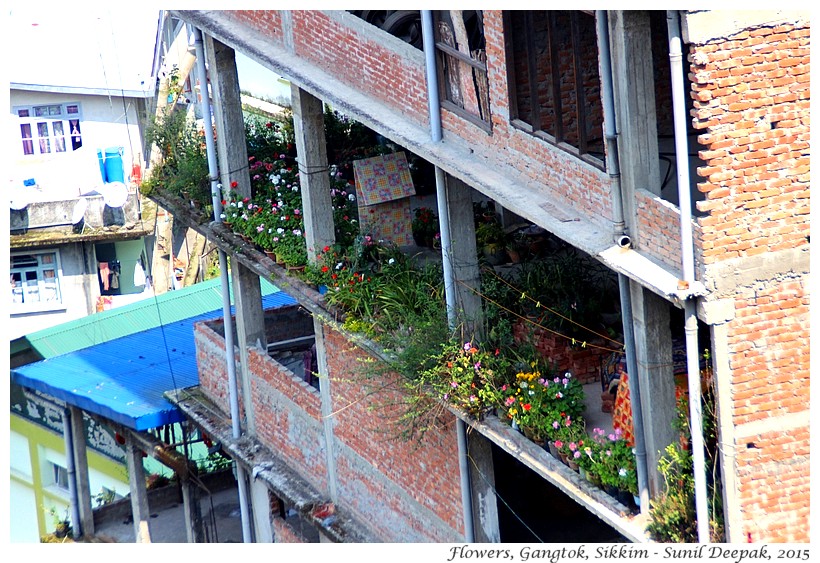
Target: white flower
x=221 y=215
x=280 y=230
x=622 y=472
x=339 y=265
x=295 y=189
x=297 y=232
x=239 y=204
x=351 y=197
x=391 y=261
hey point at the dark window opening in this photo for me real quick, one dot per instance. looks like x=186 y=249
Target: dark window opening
x=552 y=61
x=462 y=65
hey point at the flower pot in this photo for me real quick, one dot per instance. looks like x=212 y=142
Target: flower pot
x=624 y=497
x=572 y=464
x=637 y=500
x=270 y=254
x=553 y=450
x=296 y=268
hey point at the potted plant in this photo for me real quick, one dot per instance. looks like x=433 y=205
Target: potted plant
x=492 y=241
x=62 y=525
x=466 y=376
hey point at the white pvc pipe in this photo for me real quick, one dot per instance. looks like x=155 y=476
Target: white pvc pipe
x=449 y=282
x=688 y=266
x=216 y=197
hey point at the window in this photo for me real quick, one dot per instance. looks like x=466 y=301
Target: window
x=35 y=281
x=552 y=65
x=462 y=65
x=60 y=476
x=51 y=128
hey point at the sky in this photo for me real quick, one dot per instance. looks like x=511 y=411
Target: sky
x=94 y=47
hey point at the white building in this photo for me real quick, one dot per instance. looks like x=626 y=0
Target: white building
x=77 y=224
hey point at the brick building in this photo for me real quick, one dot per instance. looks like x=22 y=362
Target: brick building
x=680 y=161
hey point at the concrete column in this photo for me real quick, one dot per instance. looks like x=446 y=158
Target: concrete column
x=463 y=255
x=250 y=330
x=634 y=87
x=327 y=407
x=261 y=512
x=232 y=150
x=190 y=509
x=653 y=352
x=139 y=493
x=81 y=471
x=314 y=177
x=482 y=485
x=718 y=314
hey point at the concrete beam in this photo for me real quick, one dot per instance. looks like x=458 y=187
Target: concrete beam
x=703 y=26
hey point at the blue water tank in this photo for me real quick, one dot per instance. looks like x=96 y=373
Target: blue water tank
x=102 y=163
x=114 y=171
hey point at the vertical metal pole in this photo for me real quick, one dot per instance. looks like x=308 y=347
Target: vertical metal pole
x=244 y=508
x=449 y=282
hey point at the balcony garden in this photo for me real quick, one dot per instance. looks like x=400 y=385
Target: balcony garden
x=550 y=321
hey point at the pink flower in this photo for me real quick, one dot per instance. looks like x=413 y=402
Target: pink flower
x=559 y=444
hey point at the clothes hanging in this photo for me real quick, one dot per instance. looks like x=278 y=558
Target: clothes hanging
x=139 y=274
x=104 y=274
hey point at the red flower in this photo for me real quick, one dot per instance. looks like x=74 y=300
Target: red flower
x=268 y=124
x=326 y=249
x=334 y=276
x=234 y=184
x=325 y=269
x=526 y=406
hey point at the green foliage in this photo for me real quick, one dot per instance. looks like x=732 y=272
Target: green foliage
x=673 y=514
x=183 y=166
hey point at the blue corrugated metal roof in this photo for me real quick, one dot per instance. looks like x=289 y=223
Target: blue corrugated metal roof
x=124 y=379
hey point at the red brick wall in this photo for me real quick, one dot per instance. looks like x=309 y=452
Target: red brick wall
x=659 y=228
x=776 y=486
x=752 y=106
x=399 y=487
x=407 y=490
x=752 y=103
x=268 y=22
x=284 y=532
x=287 y=410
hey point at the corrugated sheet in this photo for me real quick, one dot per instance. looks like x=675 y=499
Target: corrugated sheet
x=142 y=315
x=123 y=379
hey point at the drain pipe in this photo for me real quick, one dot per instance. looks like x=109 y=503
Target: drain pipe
x=622 y=240
x=449 y=281
x=216 y=197
x=688 y=265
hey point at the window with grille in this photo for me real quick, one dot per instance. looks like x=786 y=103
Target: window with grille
x=462 y=65
x=50 y=128
x=34 y=281
x=554 y=81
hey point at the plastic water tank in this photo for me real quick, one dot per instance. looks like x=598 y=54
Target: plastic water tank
x=101 y=158
x=114 y=171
